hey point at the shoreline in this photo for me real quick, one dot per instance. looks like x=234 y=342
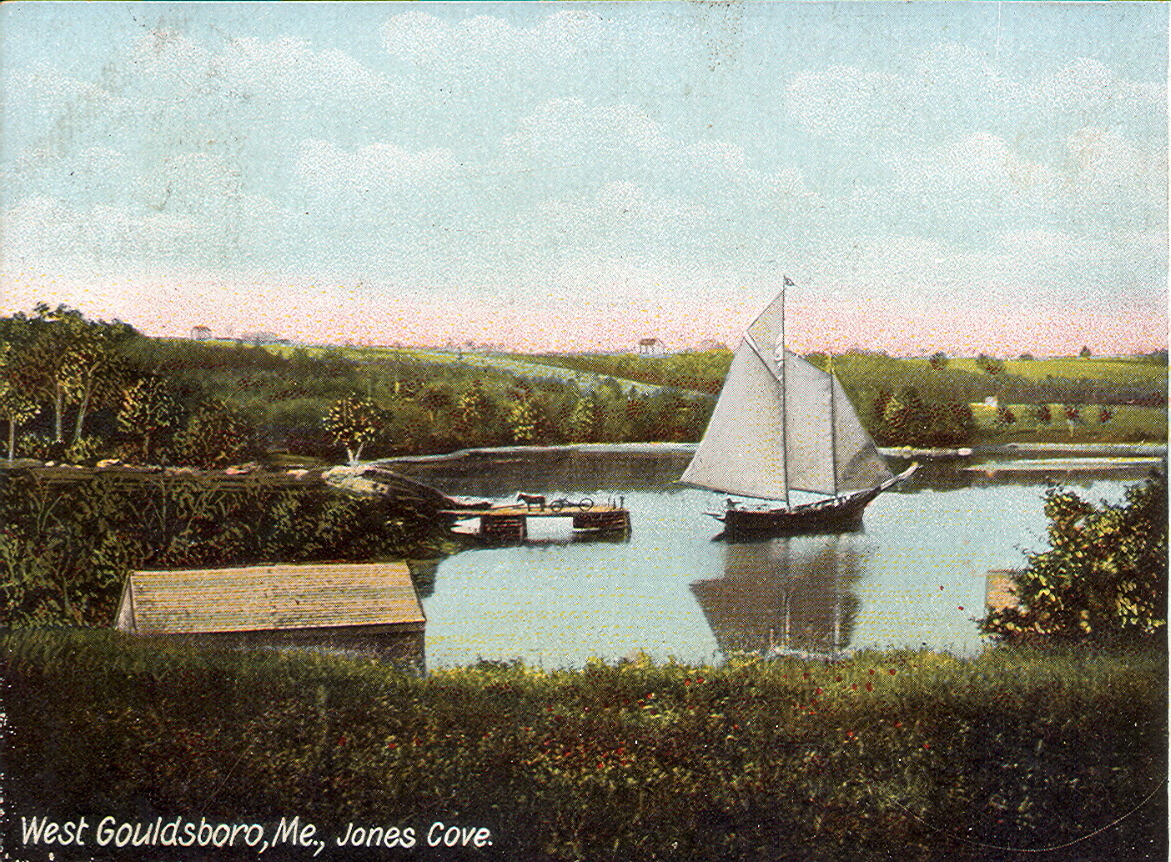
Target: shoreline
x=1050 y=450
x=977 y=457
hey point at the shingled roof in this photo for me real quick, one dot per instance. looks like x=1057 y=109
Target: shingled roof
x=268 y=598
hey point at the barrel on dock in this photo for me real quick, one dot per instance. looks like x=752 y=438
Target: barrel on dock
x=604 y=520
x=503 y=526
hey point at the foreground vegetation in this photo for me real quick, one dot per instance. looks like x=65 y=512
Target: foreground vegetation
x=882 y=756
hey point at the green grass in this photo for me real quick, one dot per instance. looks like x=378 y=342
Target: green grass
x=1125 y=424
x=1115 y=370
x=906 y=755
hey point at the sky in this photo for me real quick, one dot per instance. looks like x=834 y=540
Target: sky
x=966 y=177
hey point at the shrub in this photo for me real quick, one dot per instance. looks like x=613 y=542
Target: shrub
x=906 y=420
x=353 y=422
x=1103 y=578
x=990 y=364
x=66 y=546
x=216 y=434
x=85 y=449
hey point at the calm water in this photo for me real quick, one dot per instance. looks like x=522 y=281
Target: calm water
x=915 y=576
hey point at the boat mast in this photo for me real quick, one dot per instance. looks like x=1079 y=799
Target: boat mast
x=779 y=355
x=833 y=425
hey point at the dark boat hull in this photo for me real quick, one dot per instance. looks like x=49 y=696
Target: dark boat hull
x=842 y=515
x=837 y=515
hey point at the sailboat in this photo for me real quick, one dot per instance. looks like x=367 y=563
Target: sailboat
x=782 y=424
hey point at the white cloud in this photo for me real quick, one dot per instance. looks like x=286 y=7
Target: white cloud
x=45 y=90
x=1086 y=87
x=849 y=103
x=1110 y=181
x=566 y=131
x=46 y=229
x=952 y=90
x=289 y=69
x=327 y=168
x=979 y=171
x=440 y=45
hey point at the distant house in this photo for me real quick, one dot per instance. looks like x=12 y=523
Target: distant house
x=651 y=346
x=200 y=333
x=369 y=608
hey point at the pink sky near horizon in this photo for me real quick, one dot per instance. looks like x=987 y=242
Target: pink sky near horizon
x=161 y=307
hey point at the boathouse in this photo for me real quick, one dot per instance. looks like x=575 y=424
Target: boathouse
x=364 y=608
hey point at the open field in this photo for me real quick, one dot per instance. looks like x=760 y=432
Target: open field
x=1120 y=424
x=1124 y=370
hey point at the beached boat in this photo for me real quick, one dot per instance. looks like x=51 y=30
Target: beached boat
x=782 y=424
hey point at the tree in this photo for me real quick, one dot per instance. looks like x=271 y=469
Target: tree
x=473 y=412
x=905 y=417
x=93 y=367
x=1103 y=578
x=18 y=402
x=1044 y=414
x=353 y=422
x=906 y=420
x=70 y=360
x=522 y=420
x=1084 y=353
x=147 y=408
x=215 y=435
x=17 y=405
x=585 y=421
x=938 y=360
x=54 y=335
x=989 y=364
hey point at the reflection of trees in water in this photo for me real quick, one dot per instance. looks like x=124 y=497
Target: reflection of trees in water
x=785 y=594
x=423 y=574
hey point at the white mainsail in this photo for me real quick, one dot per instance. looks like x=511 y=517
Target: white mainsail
x=781 y=424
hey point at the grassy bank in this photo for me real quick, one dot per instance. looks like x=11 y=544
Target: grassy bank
x=884 y=756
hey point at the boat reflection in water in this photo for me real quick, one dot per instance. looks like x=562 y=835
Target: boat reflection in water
x=791 y=596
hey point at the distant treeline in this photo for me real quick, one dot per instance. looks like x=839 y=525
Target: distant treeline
x=938 y=379
x=926 y=402
x=77 y=389
x=81 y=390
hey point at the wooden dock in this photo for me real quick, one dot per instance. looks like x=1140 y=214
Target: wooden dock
x=510 y=522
